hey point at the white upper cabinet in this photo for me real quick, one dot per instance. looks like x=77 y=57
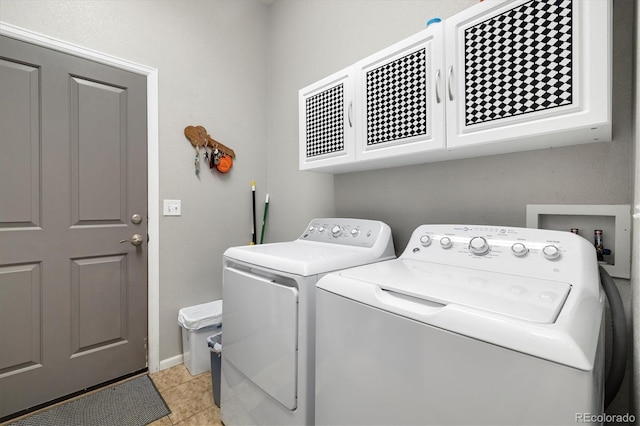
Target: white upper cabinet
x=528 y=74
x=400 y=108
x=326 y=126
x=501 y=76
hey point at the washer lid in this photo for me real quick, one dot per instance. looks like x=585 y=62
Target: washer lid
x=529 y=299
x=305 y=258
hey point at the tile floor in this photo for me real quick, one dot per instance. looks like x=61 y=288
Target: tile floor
x=190 y=398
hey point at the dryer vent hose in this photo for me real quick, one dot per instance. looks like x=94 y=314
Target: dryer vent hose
x=619 y=324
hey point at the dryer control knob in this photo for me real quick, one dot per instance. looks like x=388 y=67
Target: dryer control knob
x=519 y=249
x=354 y=232
x=336 y=231
x=425 y=240
x=479 y=246
x=446 y=243
x=551 y=252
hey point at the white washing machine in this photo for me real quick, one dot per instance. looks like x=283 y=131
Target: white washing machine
x=470 y=325
x=268 y=353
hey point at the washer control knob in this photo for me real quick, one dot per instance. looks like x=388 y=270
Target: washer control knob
x=425 y=240
x=354 y=232
x=519 y=249
x=322 y=229
x=479 y=246
x=336 y=231
x=446 y=243
x=551 y=252
x=312 y=228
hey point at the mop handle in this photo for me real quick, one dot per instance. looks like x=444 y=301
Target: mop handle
x=253 y=197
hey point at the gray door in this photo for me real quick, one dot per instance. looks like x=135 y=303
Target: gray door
x=73 y=171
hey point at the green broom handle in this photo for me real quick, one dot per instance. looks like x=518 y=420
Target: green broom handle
x=264 y=218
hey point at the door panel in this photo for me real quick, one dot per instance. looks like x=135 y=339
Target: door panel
x=98 y=298
x=20 y=307
x=98 y=117
x=516 y=86
x=400 y=111
x=20 y=157
x=326 y=128
x=73 y=299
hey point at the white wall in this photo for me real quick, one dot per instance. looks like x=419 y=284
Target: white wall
x=211 y=58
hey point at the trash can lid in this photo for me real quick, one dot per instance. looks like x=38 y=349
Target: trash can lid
x=201 y=316
x=215 y=342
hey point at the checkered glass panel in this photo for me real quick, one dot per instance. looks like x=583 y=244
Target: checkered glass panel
x=397 y=99
x=325 y=121
x=519 y=62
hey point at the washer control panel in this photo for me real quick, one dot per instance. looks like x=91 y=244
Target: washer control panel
x=345 y=231
x=518 y=250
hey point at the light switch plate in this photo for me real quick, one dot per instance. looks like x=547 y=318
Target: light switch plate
x=172 y=207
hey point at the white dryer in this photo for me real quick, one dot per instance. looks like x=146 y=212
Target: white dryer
x=470 y=325
x=268 y=354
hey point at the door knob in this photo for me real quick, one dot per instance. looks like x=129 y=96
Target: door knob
x=136 y=240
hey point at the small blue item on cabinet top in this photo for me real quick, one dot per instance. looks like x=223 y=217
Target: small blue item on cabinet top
x=433 y=21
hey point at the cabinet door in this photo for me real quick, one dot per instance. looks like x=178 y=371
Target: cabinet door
x=528 y=74
x=400 y=115
x=326 y=122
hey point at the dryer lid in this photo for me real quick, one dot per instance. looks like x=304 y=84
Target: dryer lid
x=305 y=258
x=525 y=298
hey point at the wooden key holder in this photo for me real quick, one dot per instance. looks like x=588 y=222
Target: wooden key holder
x=199 y=138
x=221 y=156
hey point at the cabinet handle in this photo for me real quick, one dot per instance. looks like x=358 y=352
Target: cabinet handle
x=438 y=87
x=449 y=78
x=349 y=114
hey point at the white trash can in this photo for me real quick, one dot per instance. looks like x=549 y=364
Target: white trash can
x=199 y=322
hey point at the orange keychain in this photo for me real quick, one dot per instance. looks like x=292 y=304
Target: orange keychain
x=225 y=164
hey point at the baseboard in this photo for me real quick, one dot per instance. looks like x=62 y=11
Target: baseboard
x=170 y=362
